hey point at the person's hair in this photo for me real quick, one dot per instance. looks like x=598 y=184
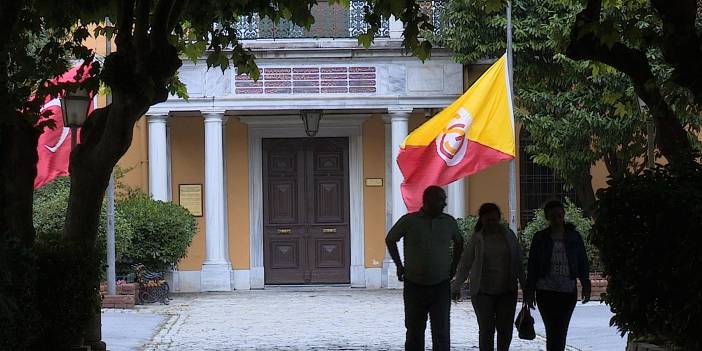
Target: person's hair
x=433 y=192
x=486 y=208
x=553 y=204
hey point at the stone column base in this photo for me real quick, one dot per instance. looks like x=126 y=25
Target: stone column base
x=389 y=279
x=216 y=277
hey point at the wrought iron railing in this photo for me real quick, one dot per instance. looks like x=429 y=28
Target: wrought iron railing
x=331 y=21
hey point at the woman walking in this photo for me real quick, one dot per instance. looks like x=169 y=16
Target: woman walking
x=493 y=260
x=556 y=259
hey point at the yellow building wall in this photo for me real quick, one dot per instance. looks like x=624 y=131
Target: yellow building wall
x=188 y=167
x=134 y=163
x=374 y=197
x=237 y=175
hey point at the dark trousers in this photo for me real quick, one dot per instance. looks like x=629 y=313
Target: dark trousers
x=556 y=308
x=423 y=300
x=495 y=312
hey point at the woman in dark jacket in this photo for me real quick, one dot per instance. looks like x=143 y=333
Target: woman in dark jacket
x=556 y=259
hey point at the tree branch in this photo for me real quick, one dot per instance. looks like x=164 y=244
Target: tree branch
x=177 y=11
x=681 y=44
x=586 y=44
x=141 y=25
x=162 y=17
x=125 y=22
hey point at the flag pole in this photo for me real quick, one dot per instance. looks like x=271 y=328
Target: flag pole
x=513 y=162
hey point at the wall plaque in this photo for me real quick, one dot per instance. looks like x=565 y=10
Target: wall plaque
x=190 y=197
x=374 y=182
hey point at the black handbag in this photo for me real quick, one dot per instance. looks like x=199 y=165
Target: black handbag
x=525 y=324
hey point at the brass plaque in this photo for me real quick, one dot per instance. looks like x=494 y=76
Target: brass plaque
x=284 y=231
x=190 y=197
x=329 y=230
x=374 y=182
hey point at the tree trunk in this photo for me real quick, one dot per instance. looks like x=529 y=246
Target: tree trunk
x=586 y=194
x=18 y=157
x=104 y=140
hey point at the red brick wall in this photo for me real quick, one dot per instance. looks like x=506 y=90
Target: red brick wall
x=127 y=296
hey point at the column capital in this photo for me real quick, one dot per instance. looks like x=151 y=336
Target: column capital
x=157 y=118
x=214 y=116
x=399 y=112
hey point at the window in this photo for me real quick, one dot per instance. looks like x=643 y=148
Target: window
x=538 y=184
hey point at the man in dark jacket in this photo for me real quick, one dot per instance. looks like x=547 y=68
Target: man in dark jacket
x=428 y=268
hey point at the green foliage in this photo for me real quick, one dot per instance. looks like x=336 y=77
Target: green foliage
x=573 y=215
x=66 y=293
x=648 y=233
x=17 y=293
x=163 y=231
x=50 y=204
x=467 y=225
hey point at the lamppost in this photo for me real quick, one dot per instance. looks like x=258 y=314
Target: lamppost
x=74 y=106
x=650 y=134
x=311 y=119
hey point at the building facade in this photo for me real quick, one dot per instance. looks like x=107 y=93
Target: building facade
x=275 y=205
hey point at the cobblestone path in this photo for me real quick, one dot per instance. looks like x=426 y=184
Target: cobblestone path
x=302 y=319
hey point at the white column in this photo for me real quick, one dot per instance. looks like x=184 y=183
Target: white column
x=399 y=127
x=158 y=157
x=395 y=27
x=456 y=201
x=388 y=264
x=216 y=270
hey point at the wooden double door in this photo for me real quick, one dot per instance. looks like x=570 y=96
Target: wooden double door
x=306 y=234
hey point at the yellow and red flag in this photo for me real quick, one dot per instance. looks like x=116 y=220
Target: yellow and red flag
x=474 y=132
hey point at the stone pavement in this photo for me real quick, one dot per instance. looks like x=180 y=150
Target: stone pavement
x=589 y=328
x=301 y=319
x=129 y=330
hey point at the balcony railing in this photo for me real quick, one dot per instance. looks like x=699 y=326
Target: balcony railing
x=331 y=21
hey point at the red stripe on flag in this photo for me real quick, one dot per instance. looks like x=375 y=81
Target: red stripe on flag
x=422 y=167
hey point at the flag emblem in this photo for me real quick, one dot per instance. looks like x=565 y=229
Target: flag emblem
x=451 y=144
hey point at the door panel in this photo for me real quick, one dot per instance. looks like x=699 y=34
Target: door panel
x=306 y=211
x=327 y=162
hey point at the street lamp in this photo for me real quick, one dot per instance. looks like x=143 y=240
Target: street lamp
x=311 y=119
x=74 y=106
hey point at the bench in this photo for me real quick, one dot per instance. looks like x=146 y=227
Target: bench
x=153 y=286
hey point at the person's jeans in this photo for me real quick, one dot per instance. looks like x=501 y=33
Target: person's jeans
x=495 y=312
x=556 y=308
x=423 y=300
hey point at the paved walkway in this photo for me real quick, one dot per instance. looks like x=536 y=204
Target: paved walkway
x=128 y=330
x=314 y=319
x=302 y=319
x=589 y=328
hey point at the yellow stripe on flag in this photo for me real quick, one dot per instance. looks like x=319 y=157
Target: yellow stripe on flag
x=489 y=104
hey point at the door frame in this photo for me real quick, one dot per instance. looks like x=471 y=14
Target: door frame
x=291 y=126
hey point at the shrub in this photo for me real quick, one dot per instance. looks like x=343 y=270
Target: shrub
x=66 y=293
x=466 y=225
x=50 y=204
x=648 y=232
x=574 y=215
x=163 y=231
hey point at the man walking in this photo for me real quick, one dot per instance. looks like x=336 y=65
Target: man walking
x=428 y=268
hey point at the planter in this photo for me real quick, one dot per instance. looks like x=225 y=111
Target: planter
x=643 y=346
x=127 y=296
